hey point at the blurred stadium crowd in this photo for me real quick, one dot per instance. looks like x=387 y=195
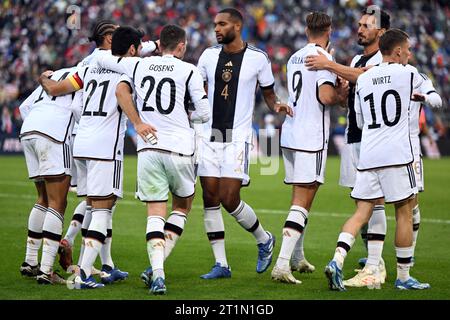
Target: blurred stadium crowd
x=34 y=36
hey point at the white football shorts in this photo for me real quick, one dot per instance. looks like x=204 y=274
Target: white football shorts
x=162 y=172
x=394 y=184
x=418 y=171
x=224 y=160
x=304 y=167
x=81 y=169
x=349 y=163
x=104 y=178
x=46 y=158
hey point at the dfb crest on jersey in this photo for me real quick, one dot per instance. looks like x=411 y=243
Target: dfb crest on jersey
x=227 y=75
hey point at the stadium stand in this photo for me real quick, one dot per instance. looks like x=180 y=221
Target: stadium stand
x=34 y=36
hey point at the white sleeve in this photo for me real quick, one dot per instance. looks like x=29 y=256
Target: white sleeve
x=417 y=80
x=77 y=105
x=198 y=96
x=27 y=104
x=201 y=65
x=432 y=98
x=265 y=75
x=125 y=65
x=127 y=79
x=148 y=47
x=358 y=111
x=325 y=76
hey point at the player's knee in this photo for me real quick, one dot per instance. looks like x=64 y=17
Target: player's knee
x=210 y=199
x=230 y=201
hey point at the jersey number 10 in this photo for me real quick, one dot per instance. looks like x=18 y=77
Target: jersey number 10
x=398 y=109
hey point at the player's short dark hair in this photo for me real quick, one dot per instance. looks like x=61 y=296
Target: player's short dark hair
x=100 y=30
x=390 y=39
x=385 y=18
x=123 y=38
x=234 y=13
x=318 y=23
x=171 y=35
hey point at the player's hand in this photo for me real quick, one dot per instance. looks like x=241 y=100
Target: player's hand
x=280 y=107
x=366 y=68
x=147 y=132
x=418 y=97
x=342 y=90
x=318 y=62
x=47 y=73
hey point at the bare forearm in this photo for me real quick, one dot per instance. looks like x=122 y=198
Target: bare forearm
x=125 y=101
x=270 y=98
x=348 y=73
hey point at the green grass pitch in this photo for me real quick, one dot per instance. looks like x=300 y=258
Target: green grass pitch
x=193 y=256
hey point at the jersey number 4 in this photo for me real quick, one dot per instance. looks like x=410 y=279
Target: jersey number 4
x=173 y=92
x=398 y=109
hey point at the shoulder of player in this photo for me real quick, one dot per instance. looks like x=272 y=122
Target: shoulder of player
x=325 y=52
x=213 y=49
x=258 y=52
x=363 y=78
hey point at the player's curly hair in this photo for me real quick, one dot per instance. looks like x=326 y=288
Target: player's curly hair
x=100 y=30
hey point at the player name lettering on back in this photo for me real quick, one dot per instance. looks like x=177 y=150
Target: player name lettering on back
x=297 y=60
x=157 y=67
x=99 y=70
x=381 y=80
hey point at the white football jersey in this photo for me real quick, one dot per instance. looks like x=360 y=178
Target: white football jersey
x=50 y=116
x=309 y=128
x=163 y=87
x=382 y=107
x=101 y=130
x=352 y=132
x=426 y=88
x=92 y=58
x=232 y=81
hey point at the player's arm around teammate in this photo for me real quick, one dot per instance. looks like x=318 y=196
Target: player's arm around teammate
x=304 y=139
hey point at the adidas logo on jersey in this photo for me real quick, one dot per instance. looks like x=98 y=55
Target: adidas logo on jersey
x=229 y=64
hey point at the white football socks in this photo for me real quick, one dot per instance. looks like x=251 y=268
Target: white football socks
x=172 y=230
x=76 y=223
x=84 y=228
x=248 y=220
x=215 y=230
x=294 y=225
x=51 y=233
x=344 y=244
x=376 y=233
x=105 y=251
x=94 y=239
x=156 y=244
x=34 y=239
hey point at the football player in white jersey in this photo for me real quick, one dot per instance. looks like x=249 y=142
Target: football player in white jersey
x=382 y=107
x=99 y=141
x=372 y=24
x=164 y=84
x=102 y=36
x=45 y=136
x=304 y=138
x=231 y=71
x=425 y=95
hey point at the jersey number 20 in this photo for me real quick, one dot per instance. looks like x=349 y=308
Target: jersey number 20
x=159 y=88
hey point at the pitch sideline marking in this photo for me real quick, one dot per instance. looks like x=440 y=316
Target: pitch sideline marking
x=262 y=210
